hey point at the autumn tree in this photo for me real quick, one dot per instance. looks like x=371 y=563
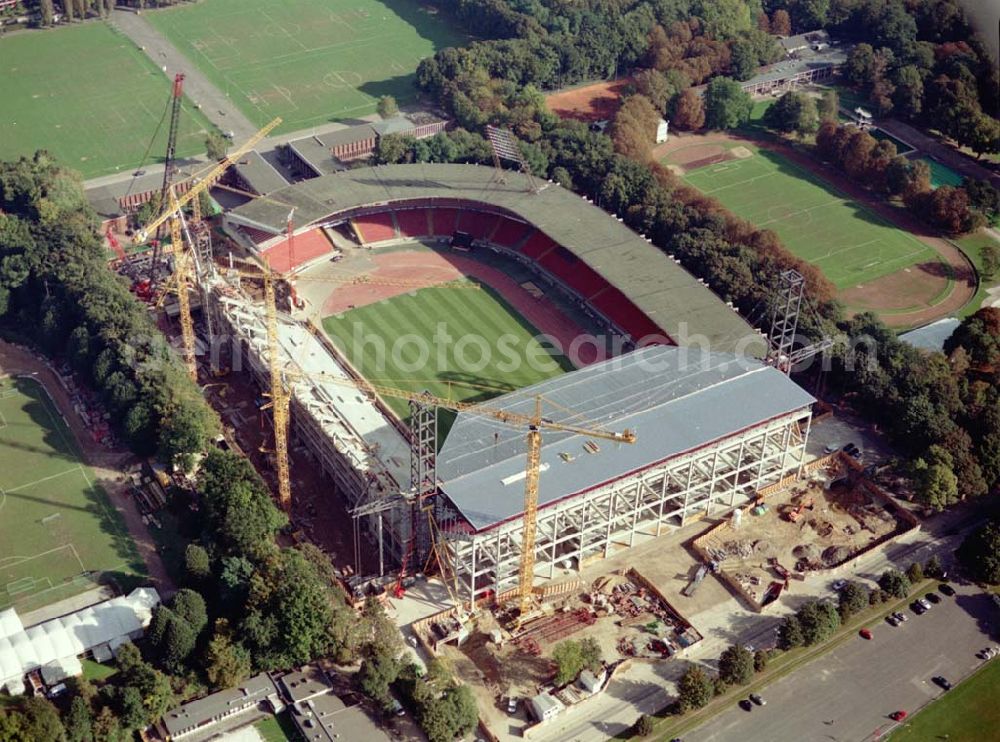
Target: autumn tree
x=781 y=23
x=689 y=111
x=633 y=129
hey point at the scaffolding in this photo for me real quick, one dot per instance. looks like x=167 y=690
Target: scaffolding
x=594 y=525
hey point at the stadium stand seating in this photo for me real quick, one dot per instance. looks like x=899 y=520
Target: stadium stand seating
x=413 y=223
x=444 y=221
x=308 y=246
x=478 y=224
x=537 y=245
x=573 y=272
x=510 y=233
x=375 y=227
x=256 y=236
x=614 y=305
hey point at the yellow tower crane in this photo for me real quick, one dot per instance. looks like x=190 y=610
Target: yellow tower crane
x=533 y=423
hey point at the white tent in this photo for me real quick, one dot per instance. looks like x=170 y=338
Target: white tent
x=57 y=643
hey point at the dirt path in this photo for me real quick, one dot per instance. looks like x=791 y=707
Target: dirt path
x=107 y=466
x=882 y=295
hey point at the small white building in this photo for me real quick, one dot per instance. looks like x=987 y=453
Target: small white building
x=545 y=706
x=862 y=118
x=590 y=683
x=662 y=131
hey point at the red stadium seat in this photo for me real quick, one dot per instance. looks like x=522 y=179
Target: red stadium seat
x=614 y=305
x=444 y=222
x=375 y=227
x=573 y=272
x=413 y=223
x=478 y=224
x=510 y=233
x=537 y=245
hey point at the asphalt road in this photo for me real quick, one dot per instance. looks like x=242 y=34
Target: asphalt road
x=849 y=693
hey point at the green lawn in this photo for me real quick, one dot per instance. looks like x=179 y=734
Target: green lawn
x=90 y=97
x=965 y=713
x=58 y=532
x=277 y=729
x=848 y=242
x=972 y=245
x=308 y=61
x=95 y=671
x=491 y=346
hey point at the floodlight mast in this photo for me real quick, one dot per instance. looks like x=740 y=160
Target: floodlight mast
x=504 y=146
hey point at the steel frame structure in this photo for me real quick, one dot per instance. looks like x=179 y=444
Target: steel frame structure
x=594 y=525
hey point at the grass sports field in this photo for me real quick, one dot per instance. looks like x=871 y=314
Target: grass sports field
x=849 y=243
x=966 y=713
x=489 y=342
x=89 y=96
x=56 y=527
x=308 y=61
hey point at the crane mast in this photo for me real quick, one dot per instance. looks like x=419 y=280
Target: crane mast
x=177 y=93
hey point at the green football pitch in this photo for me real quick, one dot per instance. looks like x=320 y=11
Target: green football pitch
x=90 y=97
x=308 y=61
x=848 y=242
x=58 y=532
x=458 y=343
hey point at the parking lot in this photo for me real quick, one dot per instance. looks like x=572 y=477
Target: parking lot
x=850 y=693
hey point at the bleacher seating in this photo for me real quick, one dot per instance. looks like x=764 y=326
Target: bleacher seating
x=537 y=245
x=509 y=233
x=256 y=236
x=444 y=221
x=373 y=228
x=413 y=223
x=614 y=305
x=307 y=247
x=573 y=272
x=478 y=224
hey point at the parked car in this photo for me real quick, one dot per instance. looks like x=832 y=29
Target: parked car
x=917 y=608
x=897 y=715
x=946 y=589
x=512 y=705
x=901 y=617
x=831 y=448
x=757 y=699
x=839 y=584
x=933 y=597
x=892 y=620
x=941 y=681
x=849 y=448
x=746 y=704
x=925 y=603
x=865 y=634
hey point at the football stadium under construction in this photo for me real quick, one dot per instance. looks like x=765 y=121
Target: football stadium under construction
x=709 y=423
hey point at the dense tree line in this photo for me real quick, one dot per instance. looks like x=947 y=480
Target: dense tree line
x=57 y=293
x=875 y=164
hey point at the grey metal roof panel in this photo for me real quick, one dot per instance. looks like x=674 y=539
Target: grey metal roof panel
x=658 y=286
x=259 y=173
x=675 y=399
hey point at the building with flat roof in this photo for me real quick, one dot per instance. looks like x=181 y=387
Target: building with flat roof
x=809 y=57
x=205 y=717
x=253 y=173
x=320 y=715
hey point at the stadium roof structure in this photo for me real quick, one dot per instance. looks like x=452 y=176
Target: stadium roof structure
x=676 y=400
x=671 y=297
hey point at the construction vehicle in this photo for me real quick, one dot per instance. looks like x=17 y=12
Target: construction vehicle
x=796 y=513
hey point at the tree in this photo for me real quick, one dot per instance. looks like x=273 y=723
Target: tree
x=571 y=657
x=936 y=483
x=853 y=599
x=790 y=633
x=908 y=97
x=781 y=23
x=727 y=105
x=46 y=11
x=633 y=129
x=760 y=660
x=743 y=59
x=979 y=336
x=378 y=671
x=860 y=64
x=190 y=606
x=948 y=209
x=991 y=259
x=131 y=710
x=40 y=720
x=226 y=663
x=895 y=583
x=216 y=145
x=979 y=554
x=793 y=112
x=915 y=573
x=197 y=563
x=736 y=665
x=695 y=688
x=983 y=197
x=387 y=107
x=933 y=568
x=829 y=106
x=689 y=111
x=643 y=726
x=819 y=620
x=982 y=135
